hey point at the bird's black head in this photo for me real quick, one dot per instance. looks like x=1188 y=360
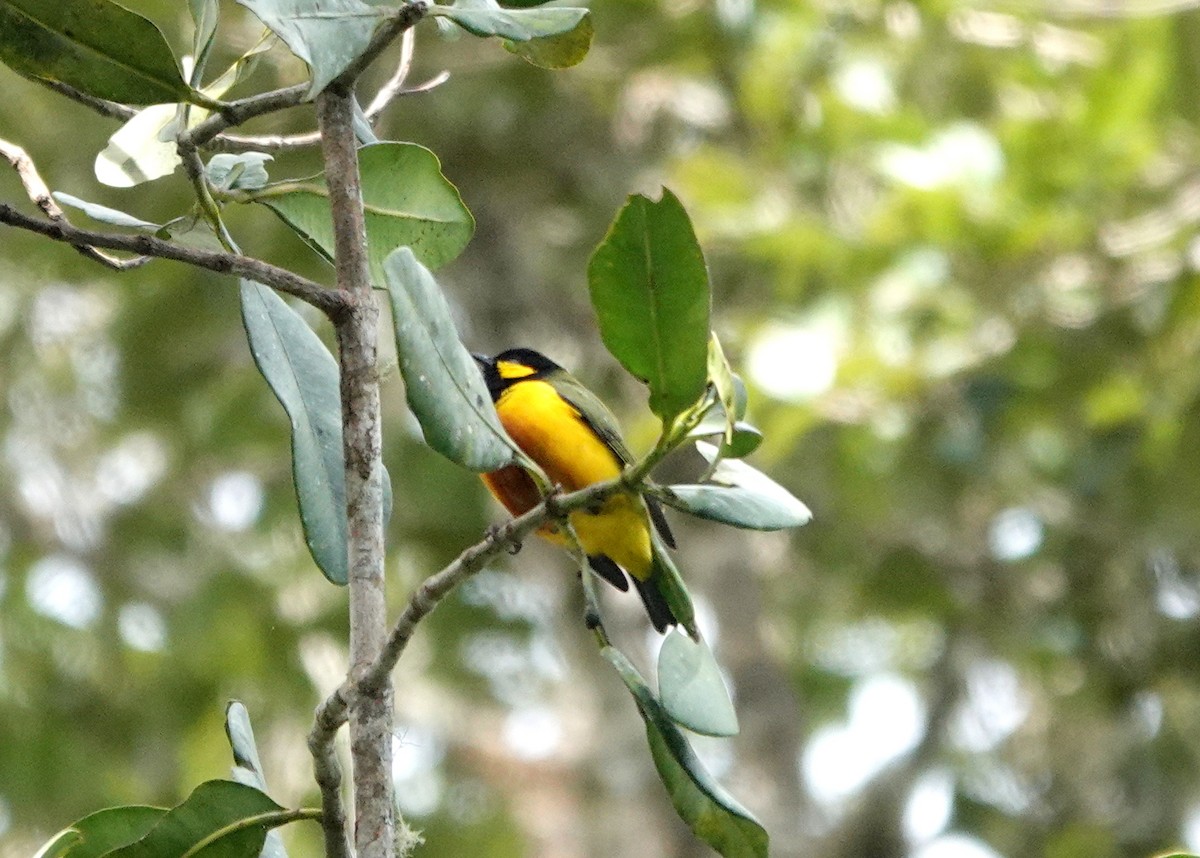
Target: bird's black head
x=512 y=366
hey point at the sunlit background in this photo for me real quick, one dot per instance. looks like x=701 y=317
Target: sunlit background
x=954 y=255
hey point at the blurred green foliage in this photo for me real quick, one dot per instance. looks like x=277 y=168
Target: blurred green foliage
x=954 y=257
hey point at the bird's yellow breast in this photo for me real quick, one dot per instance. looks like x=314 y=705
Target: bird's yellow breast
x=554 y=434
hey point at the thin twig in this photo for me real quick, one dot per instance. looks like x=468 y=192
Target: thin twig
x=327 y=301
x=194 y=168
x=404 y=19
x=277 y=143
x=270 y=143
x=37 y=190
x=328 y=773
x=434 y=588
x=236 y=112
x=333 y=712
x=395 y=83
x=111 y=109
x=39 y=194
x=434 y=82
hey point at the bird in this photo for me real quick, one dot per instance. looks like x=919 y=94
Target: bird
x=574 y=438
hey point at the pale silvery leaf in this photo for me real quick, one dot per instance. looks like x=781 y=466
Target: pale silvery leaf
x=245 y=171
x=106 y=215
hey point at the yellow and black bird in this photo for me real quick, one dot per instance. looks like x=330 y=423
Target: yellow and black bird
x=573 y=437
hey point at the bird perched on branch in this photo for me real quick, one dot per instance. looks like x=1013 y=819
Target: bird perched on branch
x=574 y=438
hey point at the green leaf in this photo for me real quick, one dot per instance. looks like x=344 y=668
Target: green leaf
x=326 y=34
x=205 y=14
x=556 y=52
x=487 y=18
x=691 y=689
x=445 y=389
x=239 y=69
x=739 y=495
x=408 y=203
x=671 y=586
x=219 y=818
x=722 y=378
x=738 y=438
x=106 y=215
x=746 y=439
x=720 y=374
x=714 y=815
x=247 y=767
x=61 y=843
x=114 y=827
x=714 y=420
x=649 y=286
x=304 y=377
x=95 y=46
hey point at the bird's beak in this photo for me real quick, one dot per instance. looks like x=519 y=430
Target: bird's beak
x=483 y=360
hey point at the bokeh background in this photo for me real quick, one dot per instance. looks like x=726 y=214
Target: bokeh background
x=954 y=254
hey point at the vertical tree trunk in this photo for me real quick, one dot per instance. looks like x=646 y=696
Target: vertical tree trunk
x=370 y=717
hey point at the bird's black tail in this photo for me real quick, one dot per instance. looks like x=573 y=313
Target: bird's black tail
x=657 y=608
x=666 y=600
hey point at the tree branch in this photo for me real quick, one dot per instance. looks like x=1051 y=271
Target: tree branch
x=389 y=92
x=327 y=301
x=332 y=713
x=289 y=143
x=276 y=143
x=370 y=715
x=111 y=109
x=328 y=773
x=209 y=134
x=39 y=194
x=244 y=109
x=236 y=112
x=403 y=19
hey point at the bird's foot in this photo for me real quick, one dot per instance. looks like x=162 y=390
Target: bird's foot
x=551 y=501
x=495 y=533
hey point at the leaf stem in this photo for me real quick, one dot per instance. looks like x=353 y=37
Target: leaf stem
x=194 y=168
x=271 y=819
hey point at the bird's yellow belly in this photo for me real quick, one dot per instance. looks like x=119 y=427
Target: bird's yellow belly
x=618 y=531
x=553 y=434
